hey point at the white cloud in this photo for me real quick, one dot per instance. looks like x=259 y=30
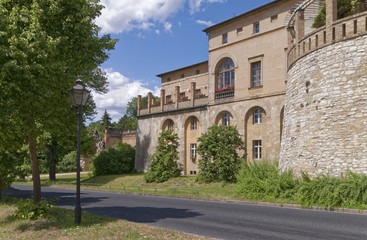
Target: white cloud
x=120 y=16
x=206 y=23
x=121 y=91
x=167 y=26
x=124 y=15
x=195 y=5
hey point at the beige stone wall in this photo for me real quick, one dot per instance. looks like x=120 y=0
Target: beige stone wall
x=150 y=126
x=325 y=115
x=268 y=131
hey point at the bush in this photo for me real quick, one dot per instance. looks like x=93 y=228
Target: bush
x=219 y=160
x=349 y=191
x=28 y=210
x=164 y=161
x=262 y=181
x=68 y=163
x=117 y=160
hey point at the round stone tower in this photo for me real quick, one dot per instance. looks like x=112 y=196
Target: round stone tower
x=325 y=114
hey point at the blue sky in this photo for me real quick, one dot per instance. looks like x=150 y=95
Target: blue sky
x=156 y=36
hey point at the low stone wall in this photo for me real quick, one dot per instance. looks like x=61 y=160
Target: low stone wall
x=325 y=119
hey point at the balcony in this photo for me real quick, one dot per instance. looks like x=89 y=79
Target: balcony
x=227 y=92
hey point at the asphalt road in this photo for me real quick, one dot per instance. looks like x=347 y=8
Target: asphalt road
x=212 y=219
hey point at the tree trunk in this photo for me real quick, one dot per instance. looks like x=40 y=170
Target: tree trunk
x=51 y=159
x=35 y=169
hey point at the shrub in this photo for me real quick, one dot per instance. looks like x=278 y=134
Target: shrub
x=68 y=163
x=28 y=210
x=262 y=181
x=164 y=161
x=117 y=160
x=219 y=160
x=349 y=191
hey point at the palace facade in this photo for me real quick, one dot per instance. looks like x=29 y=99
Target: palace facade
x=242 y=84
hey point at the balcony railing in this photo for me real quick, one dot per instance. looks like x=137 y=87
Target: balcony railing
x=224 y=93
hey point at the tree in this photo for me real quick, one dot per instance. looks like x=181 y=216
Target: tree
x=106 y=121
x=164 y=161
x=345 y=9
x=218 y=150
x=45 y=45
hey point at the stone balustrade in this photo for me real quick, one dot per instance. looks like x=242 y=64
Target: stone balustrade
x=340 y=30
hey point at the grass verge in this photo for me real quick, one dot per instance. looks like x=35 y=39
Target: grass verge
x=61 y=226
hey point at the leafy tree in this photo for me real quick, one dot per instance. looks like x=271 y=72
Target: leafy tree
x=218 y=151
x=164 y=161
x=106 y=120
x=117 y=160
x=45 y=46
x=345 y=9
x=10 y=162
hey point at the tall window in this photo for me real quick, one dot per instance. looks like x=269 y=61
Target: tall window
x=226 y=74
x=227 y=119
x=193 y=151
x=170 y=125
x=257 y=115
x=256 y=74
x=257 y=149
x=194 y=123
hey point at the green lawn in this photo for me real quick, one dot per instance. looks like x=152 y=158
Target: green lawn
x=61 y=226
x=181 y=186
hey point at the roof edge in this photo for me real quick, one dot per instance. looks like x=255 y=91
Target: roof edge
x=206 y=30
x=179 y=69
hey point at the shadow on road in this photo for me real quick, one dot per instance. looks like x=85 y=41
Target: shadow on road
x=142 y=214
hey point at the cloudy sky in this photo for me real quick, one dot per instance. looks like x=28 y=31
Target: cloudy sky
x=156 y=36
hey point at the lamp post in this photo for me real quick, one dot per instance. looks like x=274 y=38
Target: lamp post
x=78 y=95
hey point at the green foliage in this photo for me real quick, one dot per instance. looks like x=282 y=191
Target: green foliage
x=263 y=181
x=10 y=164
x=117 y=160
x=349 y=191
x=218 y=149
x=345 y=8
x=106 y=120
x=164 y=161
x=68 y=163
x=28 y=210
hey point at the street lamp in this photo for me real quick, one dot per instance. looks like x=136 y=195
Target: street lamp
x=78 y=95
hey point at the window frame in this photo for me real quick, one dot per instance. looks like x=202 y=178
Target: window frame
x=256 y=27
x=224 y=38
x=226 y=119
x=256 y=73
x=257 y=149
x=193 y=151
x=225 y=73
x=257 y=115
x=170 y=125
x=194 y=123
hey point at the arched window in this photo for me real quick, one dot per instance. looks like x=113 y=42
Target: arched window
x=168 y=125
x=225 y=74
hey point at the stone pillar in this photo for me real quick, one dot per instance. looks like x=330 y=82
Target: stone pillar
x=177 y=91
x=163 y=96
x=139 y=104
x=291 y=37
x=106 y=139
x=300 y=25
x=193 y=90
x=331 y=16
x=149 y=102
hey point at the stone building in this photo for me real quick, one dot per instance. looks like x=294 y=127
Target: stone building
x=243 y=83
x=326 y=99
